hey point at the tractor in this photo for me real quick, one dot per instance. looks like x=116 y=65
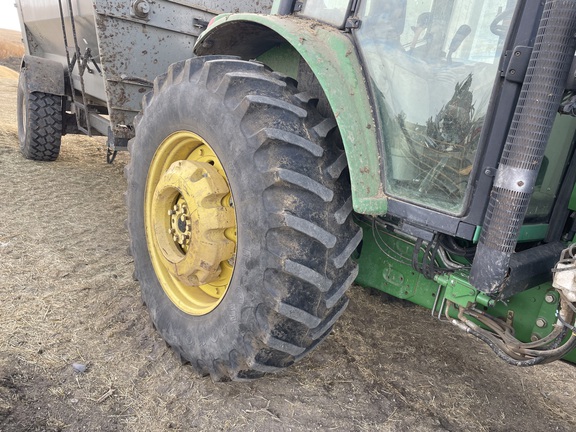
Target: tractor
x=281 y=151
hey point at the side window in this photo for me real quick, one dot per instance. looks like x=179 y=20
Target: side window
x=432 y=65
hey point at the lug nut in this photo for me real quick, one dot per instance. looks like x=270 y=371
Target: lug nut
x=549 y=298
x=171 y=212
x=541 y=322
x=171 y=230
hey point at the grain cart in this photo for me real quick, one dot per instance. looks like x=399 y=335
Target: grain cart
x=421 y=147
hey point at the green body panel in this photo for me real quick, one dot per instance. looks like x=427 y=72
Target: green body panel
x=572 y=204
x=385 y=264
x=333 y=59
x=532 y=232
x=283 y=58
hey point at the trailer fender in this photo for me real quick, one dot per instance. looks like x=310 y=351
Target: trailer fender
x=332 y=57
x=43 y=75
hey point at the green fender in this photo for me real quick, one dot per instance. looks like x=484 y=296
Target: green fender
x=332 y=57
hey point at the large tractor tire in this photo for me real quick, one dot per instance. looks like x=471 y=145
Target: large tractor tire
x=239 y=217
x=39 y=123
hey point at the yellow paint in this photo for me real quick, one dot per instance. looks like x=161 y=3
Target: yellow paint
x=190 y=223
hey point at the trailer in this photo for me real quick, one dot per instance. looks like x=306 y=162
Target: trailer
x=98 y=58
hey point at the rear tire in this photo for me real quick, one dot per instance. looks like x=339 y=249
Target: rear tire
x=289 y=183
x=39 y=123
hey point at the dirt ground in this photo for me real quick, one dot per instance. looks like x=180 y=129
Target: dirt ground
x=67 y=296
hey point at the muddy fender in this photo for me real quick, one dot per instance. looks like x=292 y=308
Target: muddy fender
x=43 y=75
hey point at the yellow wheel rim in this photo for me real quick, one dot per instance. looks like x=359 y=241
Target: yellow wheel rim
x=190 y=223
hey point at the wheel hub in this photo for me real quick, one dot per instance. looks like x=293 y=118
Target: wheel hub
x=190 y=223
x=197 y=218
x=180 y=224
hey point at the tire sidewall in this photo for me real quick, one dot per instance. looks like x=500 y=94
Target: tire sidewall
x=23 y=104
x=233 y=319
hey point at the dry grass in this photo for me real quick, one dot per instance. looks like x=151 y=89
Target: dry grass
x=10 y=36
x=10 y=44
x=11 y=49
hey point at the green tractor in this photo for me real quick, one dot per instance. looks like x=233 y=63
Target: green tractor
x=425 y=148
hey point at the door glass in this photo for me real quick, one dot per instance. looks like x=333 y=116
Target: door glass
x=332 y=12
x=432 y=65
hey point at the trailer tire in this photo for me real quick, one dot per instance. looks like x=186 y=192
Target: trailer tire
x=289 y=193
x=39 y=122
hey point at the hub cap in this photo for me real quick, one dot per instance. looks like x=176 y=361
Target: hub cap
x=190 y=223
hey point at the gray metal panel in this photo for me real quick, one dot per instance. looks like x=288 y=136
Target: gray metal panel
x=221 y=6
x=129 y=50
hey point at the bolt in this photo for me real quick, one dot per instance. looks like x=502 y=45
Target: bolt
x=183 y=218
x=534 y=338
x=171 y=230
x=512 y=72
x=171 y=212
x=141 y=8
x=549 y=298
x=520 y=183
x=175 y=238
x=176 y=207
x=541 y=322
x=517 y=53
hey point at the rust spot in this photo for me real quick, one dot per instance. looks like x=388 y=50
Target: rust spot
x=364 y=170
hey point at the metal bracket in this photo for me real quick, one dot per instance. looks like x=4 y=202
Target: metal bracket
x=459 y=290
x=352 y=23
x=199 y=24
x=112 y=145
x=518 y=63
